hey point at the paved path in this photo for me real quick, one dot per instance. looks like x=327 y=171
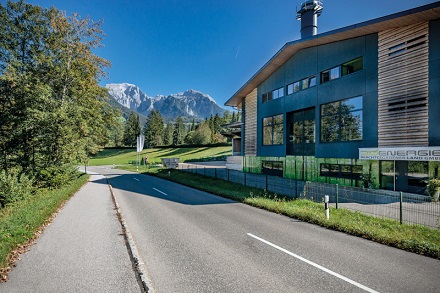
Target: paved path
x=83 y=250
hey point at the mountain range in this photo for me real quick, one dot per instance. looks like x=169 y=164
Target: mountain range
x=191 y=104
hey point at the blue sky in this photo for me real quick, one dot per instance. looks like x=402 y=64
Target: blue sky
x=213 y=46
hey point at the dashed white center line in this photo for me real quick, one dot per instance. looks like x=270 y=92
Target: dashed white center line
x=136 y=179
x=314 y=264
x=160 y=191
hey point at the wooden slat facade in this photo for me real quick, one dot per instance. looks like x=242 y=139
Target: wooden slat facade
x=403 y=86
x=250 y=122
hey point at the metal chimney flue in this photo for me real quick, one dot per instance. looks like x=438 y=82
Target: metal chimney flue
x=308 y=15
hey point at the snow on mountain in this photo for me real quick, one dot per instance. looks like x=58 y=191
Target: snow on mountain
x=191 y=103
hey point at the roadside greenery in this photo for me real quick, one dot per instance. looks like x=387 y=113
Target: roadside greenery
x=52 y=108
x=417 y=239
x=21 y=221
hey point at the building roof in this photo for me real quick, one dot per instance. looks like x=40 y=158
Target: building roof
x=404 y=18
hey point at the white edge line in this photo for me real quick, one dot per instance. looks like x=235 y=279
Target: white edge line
x=314 y=264
x=160 y=191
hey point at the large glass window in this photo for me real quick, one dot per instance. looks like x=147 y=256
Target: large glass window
x=273 y=130
x=302 y=133
x=342 y=120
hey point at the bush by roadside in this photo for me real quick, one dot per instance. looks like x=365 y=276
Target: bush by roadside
x=14 y=187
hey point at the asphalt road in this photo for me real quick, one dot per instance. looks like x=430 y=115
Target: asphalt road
x=192 y=241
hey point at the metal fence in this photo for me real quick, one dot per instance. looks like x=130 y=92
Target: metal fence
x=405 y=207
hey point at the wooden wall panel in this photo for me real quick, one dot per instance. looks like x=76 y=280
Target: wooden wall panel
x=250 y=117
x=403 y=86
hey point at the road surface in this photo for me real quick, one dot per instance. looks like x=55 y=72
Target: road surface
x=192 y=241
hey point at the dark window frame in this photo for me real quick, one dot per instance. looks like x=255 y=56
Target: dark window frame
x=343 y=69
x=274 y=127
x=334 y=122
x=339 y=171
x=301 y=85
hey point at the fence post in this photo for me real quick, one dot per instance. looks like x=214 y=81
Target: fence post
x=326 y=206
x=337 y=195
x=245 y=178
x=401 y=206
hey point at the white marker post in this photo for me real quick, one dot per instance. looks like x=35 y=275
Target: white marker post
x=326 y=201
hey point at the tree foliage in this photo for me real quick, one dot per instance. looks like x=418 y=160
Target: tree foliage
x=52 y=109
x=154 y=129
x=132 y=130
x=179 y=132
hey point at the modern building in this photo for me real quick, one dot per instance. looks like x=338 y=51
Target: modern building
x=356 y=106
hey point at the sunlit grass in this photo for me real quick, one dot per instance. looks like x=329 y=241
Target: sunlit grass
x=128 y=156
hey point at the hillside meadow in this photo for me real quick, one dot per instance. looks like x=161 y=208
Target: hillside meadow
x=128 y=156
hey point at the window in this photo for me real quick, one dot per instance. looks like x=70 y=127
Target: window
x=273 y=130
x=352 y=66
x=418 y=173
x=301 y=85
x=272 y=95
x=274 y=168
x=303 y=127
x=342 y=70
x=342 y=120
x=278 y=93
x=341 y=171
x=267 y=97
x=301 y=132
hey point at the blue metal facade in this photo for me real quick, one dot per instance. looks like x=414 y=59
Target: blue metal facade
x=312 y=61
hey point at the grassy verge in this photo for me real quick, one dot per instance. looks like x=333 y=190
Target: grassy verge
x=418 y=239
x=20 y=222
x=126 y=156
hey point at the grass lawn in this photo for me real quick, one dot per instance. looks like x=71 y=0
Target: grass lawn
x=126 y=156
x=20 y=222
x=418 y=239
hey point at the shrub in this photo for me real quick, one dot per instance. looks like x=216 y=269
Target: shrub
x=433 y=189
x=57 y=175
x=14 y=187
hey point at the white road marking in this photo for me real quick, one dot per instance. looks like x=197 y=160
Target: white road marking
x=314 y=264
x=136 y=179
x=160 y=191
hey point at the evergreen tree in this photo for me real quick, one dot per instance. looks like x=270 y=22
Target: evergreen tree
x=168 y=135
x=154 y=129
x=132 y=130
x=179 y=132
